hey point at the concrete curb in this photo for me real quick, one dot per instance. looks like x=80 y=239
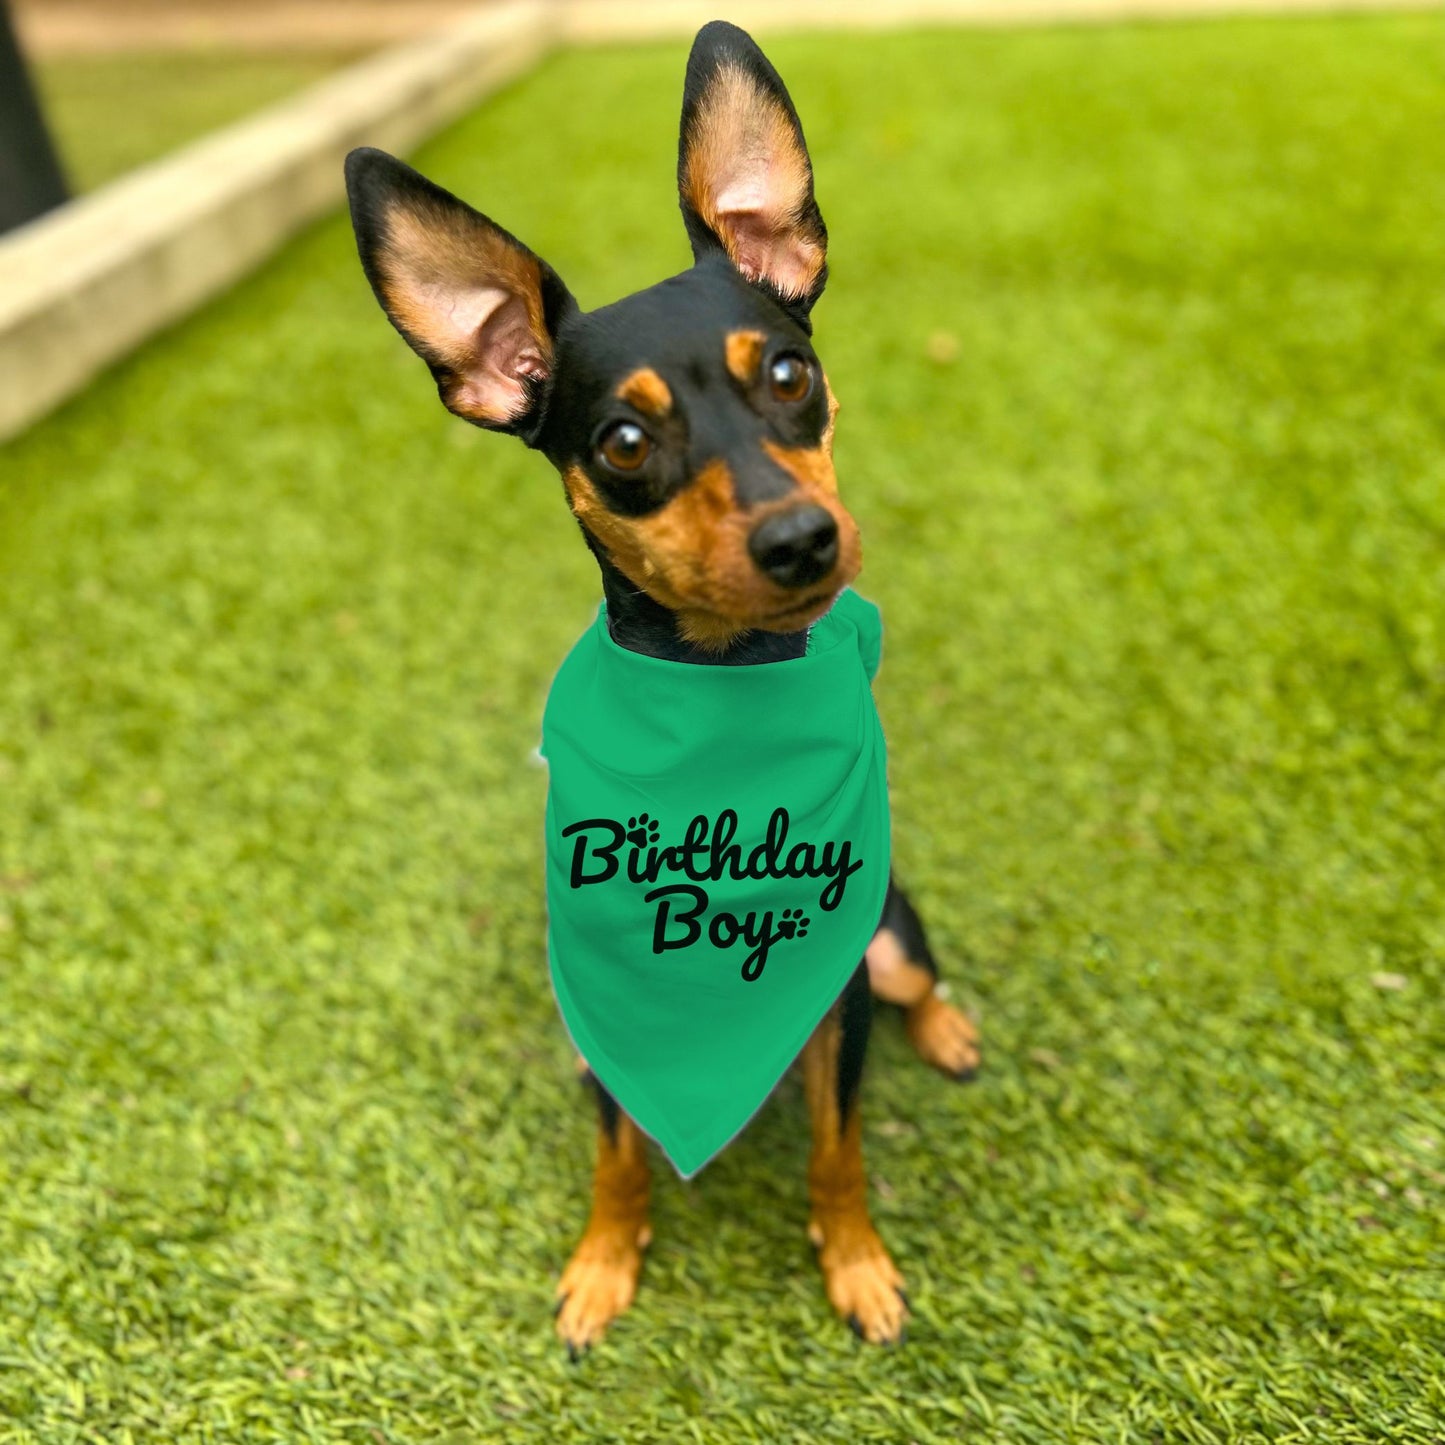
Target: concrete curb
x=104 y=27
x=595 y=22
x=84 y=285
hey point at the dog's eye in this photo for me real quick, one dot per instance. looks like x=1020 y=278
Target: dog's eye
x=790 y=377
x=624 y=447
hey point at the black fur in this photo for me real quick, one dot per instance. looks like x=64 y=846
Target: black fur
x=640 y=624
x=855 y=1018
x=901 y=919
x=607 y=1107
x=677 y=327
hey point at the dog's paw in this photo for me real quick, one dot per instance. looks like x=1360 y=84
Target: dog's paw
x=862 y=1282
x=943 y=1036
x=598 y=1284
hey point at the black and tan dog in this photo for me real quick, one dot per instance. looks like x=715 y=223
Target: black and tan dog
x=692 y=425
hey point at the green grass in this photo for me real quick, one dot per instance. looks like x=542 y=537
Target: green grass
x=111 y=113
x=292 y=1146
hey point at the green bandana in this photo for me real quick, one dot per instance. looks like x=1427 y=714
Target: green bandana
x=717 y=858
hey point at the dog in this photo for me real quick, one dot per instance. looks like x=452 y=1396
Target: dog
x=692 y=426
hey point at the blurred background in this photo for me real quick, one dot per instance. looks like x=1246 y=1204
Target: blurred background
x=124 y=81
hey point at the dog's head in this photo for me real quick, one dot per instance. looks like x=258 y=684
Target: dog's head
x=691 y=422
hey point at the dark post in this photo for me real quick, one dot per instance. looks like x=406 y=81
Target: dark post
x=31 y=181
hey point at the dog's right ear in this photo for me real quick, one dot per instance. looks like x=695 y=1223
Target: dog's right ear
x=471 y=300
x=744 y=177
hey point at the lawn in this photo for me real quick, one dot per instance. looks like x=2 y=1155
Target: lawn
x=111 y=113
x=1140 y=338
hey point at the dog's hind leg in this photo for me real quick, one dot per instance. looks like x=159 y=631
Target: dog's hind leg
x=601 y=1277
x=862 y=1282
x=902 y=971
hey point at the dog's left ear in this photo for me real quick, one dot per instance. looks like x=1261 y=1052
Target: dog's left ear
x=469 y=298
x=744 y=177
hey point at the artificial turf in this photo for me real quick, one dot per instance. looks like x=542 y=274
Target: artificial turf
x=112 y=112
x=1140 y=337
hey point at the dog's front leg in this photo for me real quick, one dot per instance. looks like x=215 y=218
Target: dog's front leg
x=601 y=1277
x=862 y=1283
x=901 y=970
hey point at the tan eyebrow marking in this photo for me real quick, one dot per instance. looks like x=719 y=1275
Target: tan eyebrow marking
x=647 y=391
x=809 y=467
x=744 y=350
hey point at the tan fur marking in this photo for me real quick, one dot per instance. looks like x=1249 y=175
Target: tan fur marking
x=892 y=975
x=862 y=1282
x=810 y=467
x=670 y=550
x=708 y=631
x=646 y=391
x=744 y=351
x=737 y=131
x=600 y=1279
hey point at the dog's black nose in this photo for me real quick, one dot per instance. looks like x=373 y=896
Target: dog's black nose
x=795 y=547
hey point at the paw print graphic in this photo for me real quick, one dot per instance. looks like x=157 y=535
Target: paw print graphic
x=641 y=830
x=794 y=923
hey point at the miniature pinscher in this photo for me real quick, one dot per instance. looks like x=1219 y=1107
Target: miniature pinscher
x=692 y=425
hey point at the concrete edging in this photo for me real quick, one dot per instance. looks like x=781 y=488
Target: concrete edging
x=85 y=284
x=598 y=22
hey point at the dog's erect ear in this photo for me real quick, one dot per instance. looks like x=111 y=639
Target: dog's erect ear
x=743 y=173
x=473 y=302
